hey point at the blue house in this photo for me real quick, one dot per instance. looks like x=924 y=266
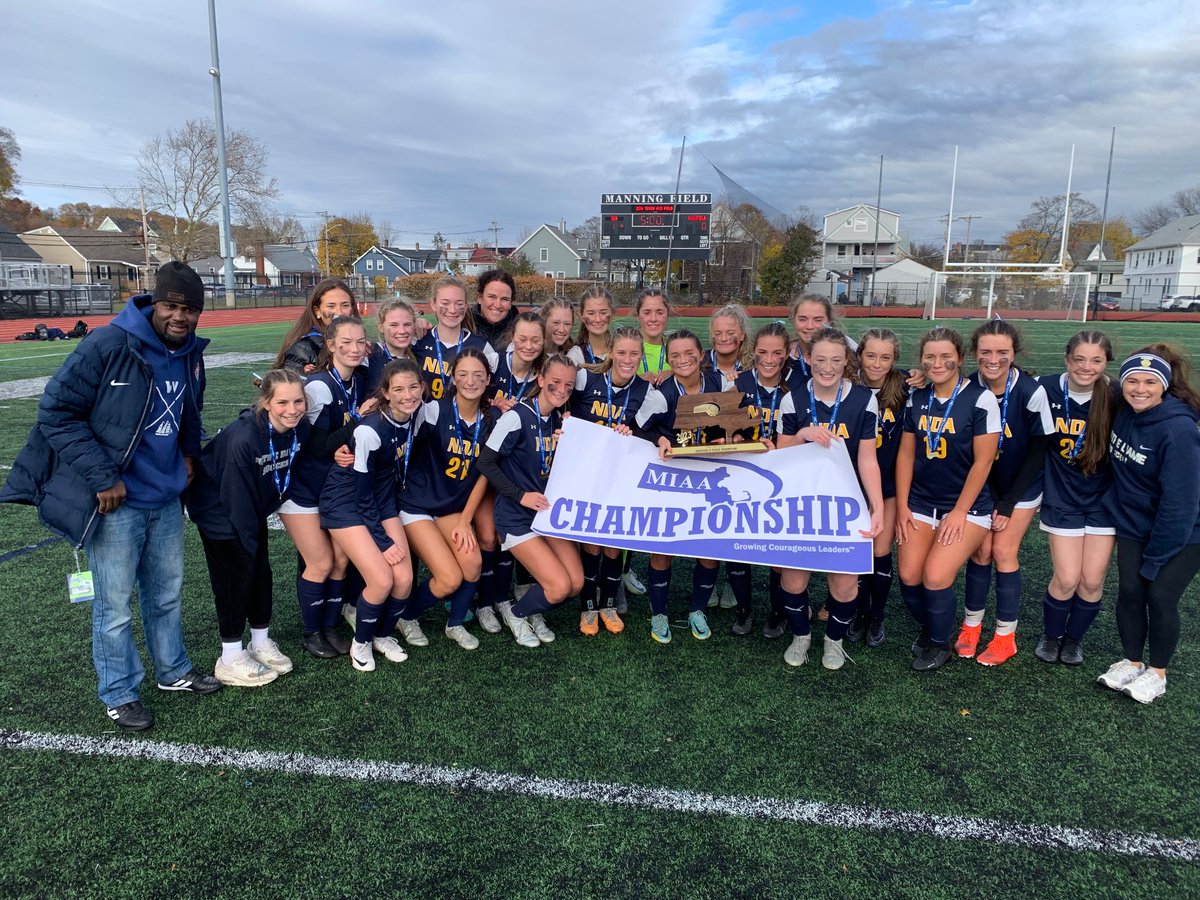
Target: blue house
x=396 y=262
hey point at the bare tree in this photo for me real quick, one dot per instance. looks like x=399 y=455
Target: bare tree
x=1184 y=202
x=10 y=155
x=1045 y=220
x=588 y=233
x=927 y=254
x=268 y=227
x=180 y=175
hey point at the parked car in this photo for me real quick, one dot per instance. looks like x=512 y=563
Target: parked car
x=1181 y=302
x=1109 y=304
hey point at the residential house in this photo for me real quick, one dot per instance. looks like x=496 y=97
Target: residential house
x=15 y=250
x=289 y=268
x=905 y=282
x=1164 y=263
x=397 y=262
x=848 y=244
x=555 y=253
x=1106 y=276
x=95 y=257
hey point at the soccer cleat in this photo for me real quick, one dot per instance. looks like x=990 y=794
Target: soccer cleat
x=1071 y=653
x=968 y=641
x=336 y=641
x=742 y=625
x=1001 y=648
x=350 y=614
x=876 y=634
x=1048 y=649
x=315 y=643
x=589 y=622
x=132 y=716
x=390 y=648
x=1120 y=674
x=728 y=601
x=633 y=584
x=773 y=628
x=488 y=621
x=523 y=632
x=612 y=622
x=362 y=657
x=660 y=629
x=462 y=637
x=410 y=630
x=932 y=658
x=699 y=625
x=1147 y=687
x=194 y=682
x=622 y=600
x=537 y=622
x=797 y=652
x=504 y=611
x=835 y=655
x=245 y=671
x=269 y=654
x=921 y=644
x=858 y=628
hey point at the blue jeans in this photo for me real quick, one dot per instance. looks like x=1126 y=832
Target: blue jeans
x=142 y=546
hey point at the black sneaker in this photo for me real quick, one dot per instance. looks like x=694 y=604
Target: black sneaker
x=857 y=629
x=921 y=644
x=315 y=643
x=743 y=625
x=774 y=627
x=194 y=682
x=1048 y=649
x=1071 y=653
x=932 y=659
x=876 y=634
x=336 y=641
x=132 y=716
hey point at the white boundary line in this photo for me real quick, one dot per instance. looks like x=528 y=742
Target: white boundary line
x=801 y=812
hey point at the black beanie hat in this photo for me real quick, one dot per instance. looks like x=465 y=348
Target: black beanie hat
x=177 y=282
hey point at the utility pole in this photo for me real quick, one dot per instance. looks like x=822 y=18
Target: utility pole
x=875 y=249
x=325 y=237
x=671 y=233
x=968 y=220
x=496 y=239
x=1112 y=144
x=226 y=228
x=146 y=235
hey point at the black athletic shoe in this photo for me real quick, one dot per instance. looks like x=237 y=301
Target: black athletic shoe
x=876 y=634
x=857 y=629
x=774 y=627
x=932 y=659
x=336 y=641
x=194 y=682
x=1071 y=653
x=132 y=716
x=742 y=626
x=1048 y=649
x=315 y=643
x=921 y=644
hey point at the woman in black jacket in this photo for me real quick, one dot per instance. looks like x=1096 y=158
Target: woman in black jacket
x=331 y=297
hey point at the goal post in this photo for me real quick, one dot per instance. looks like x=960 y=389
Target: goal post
x=1035 y=292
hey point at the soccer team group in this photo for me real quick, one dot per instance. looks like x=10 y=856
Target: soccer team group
x=434 y=443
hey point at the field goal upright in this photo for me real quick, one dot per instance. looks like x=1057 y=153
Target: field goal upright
x=1041 y=291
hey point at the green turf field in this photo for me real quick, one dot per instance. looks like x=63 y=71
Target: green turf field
x=1021 y=750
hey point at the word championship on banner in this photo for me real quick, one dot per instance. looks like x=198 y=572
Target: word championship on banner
x=799 y=508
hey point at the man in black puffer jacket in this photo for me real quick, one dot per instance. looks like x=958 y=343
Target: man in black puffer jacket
x=116 y=439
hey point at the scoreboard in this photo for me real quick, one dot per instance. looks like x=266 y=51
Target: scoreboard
x=644 y=226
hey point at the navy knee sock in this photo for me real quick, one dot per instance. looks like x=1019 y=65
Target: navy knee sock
x=366 y=620
x=704 y=581
x=795 y=608
x=939 y=610
x=502 y=580
x=591 y=580
x=775 y=593
x=658 y=586
x=913 y=596
x=881 y=586
x=738 y=576
x=535 y=600
x=841 y=614
x=460 y=603
x=391 y=615
x=978 y=583
x=487 y=578
x=1054 y=615
x=311 y=597
x=332 y=608
x=421 y=599
x=1083 y=614
x=610 y=580
x=1008 y=596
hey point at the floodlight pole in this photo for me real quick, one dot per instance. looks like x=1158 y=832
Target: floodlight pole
x=224 y=223
x=1112 y=143
x=946 y=248
x=875 y=249
x=671 y=233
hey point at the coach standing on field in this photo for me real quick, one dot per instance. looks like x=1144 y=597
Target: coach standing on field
x=117 y=435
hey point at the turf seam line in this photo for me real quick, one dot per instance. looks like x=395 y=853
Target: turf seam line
x=801 y=812
x=28 y=548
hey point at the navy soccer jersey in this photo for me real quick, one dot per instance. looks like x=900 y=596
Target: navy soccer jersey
x=583 y=355
x=945 y=451
x=765 y=404
x=727 y=377
x=856 y=420
x=1024 y=413
x=656 y=417
x=332 y=405
x=525 y=442
x=887 y=442
x=435 y=366
x=441 y=471
x=380 y=357
x=1065 y=485
x=506 y=385
x=597 y=399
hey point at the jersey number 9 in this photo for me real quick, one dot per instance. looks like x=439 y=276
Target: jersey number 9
x=938 y=452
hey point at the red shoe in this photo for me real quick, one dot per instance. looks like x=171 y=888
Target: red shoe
x=968 y=641
x=1003 y=647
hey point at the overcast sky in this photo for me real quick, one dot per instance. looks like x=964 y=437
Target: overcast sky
x=446 y=116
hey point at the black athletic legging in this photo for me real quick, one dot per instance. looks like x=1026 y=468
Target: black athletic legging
x=1151 y=608
x=241 y=584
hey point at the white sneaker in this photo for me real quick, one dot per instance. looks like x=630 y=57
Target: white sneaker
x=349 y=612
x=362 y=656
x=271 y=656
x=1147 y=687
x=728 y=601
x=1120 y=674
x=797 y=652
x=633 y=584
x=245 y=671
x=462 y=637
x=538 y=623
x=520 y=590
x=834 y=656
x=504 y=610
x=413 y=635
x=486 y=616
x=390 y=648
x=523 y=632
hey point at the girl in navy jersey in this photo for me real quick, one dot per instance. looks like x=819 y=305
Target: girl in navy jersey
x=1016 y=485
x=878 y=355
x=652 y=310
x=358 y=509
x=559 y=315
x=763 y=388
x=397 y=332
x=516 y=460
x=593 y=340
x=436 y=351
x=611 y=394
x=943 y=503
x=809 y=313
x=243 y=477
x=656 y=422
x=1075 y=479
x=335 y=396
x=330 y=297
x=830 y=410
x=441 y=505
x=727 y=330
x=1155 y=506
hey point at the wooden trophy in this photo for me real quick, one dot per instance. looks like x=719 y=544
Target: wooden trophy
x=716 y=411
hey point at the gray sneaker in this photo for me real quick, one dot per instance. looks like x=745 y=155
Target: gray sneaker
x=486 y=616
x=1147 y=687
x=411 y=631
x=523 y=632
x=772 y=630
x=835 y=655
x=540 y=629
x=622 y=599
x=1120 y=674
x=797 y=652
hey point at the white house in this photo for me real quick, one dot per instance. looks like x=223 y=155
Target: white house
x=1164 y=263
x=848 y=240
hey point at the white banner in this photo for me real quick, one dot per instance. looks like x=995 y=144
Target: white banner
x=800 y=508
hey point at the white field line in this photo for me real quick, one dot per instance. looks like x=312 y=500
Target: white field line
x=801 y=812
x=33 y=387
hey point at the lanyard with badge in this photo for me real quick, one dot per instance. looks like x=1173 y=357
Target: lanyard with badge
x=349 y=393
x=933 y=439
x=281 y=489
x=768 y=420
x=80 y=586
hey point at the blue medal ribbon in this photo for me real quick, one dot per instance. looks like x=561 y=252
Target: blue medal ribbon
x=466 y=456
x=517 y=395
x=933 y=439
x=543 y=442
x=662 y=357
x=350 y=393
x=287 y=480
x=812 y=404
x=698 y=432
x=402 y=462
x=1074 y=452
x=768 y=421
x=1008 y=386
x=610 y=417
x=437 y=346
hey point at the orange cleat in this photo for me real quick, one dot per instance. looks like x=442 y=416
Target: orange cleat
x=589 y=622
x=1002 y=647
x=968 y=641
x=611 y=620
